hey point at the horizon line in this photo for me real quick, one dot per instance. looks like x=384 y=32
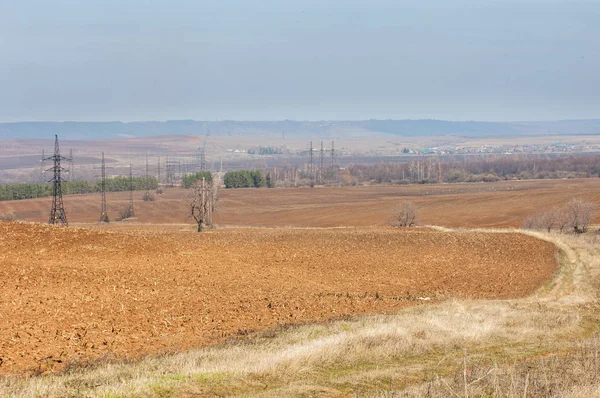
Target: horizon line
x=299 y=120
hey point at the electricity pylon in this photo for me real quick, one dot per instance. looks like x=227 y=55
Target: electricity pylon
x=103 y=211
x=57 y=212
x=131 y=213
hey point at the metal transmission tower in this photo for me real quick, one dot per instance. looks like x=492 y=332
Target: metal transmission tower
x=57 y=212
x=71 y=165
x=171 y=167
x=311 y=162
x=203 y=157
x=43 y=166
x=332 y=153
x=321 y=163
x=322 y=160
x=103 y=211
x=147 y=178
x=158 y=179
x=168 y=174
x=131 y=212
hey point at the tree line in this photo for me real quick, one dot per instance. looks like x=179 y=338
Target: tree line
x=244 y=179
x=432 y=170
x=187 y=180
x=574 y=217
x=41 y=190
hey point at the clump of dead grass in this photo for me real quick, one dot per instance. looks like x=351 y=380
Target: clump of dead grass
x=574 y=373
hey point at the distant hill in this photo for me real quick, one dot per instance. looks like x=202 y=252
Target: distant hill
x=103 y=130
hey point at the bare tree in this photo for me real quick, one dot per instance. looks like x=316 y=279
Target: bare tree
x=580 y=214
x=202 y=199
x=529 y=223
x=125 y=213
x=405 y=214
x=576 y=215
x=561 y=219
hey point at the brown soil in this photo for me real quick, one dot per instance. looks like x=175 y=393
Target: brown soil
x=76 y=295
x=500 y=204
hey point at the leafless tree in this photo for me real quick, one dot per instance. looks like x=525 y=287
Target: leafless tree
x=124 y=213
x=576 y=216
x=529 y=223
x=580 y=214
x=561 y=219
x=547 y=220
x=405 y=214
x=148 y=197
x=202 y=199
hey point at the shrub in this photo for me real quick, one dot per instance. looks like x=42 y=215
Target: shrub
x=148 y=197
x=244 y=179
x=189 y=179
x=405 y=214
x=10 y=216
x=125 y=213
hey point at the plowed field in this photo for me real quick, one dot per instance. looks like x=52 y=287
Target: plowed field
x=76 y=295
x=499 y=204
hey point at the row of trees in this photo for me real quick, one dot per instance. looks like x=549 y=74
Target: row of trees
x=432 y=170
x=244 y=179
x=189 y=179
x=575 y=217
x=39 y=190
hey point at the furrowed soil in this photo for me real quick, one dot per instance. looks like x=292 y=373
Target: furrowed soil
x=499 y=204
x=81 y=295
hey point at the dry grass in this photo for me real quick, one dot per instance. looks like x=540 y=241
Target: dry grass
x=495 y=348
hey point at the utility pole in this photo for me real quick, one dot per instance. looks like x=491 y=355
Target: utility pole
x=131 y=211
x=295 y=176
x=321 y=164
x=332 y=154
x=171 y=164
x=103 y=211
x=168 y=172
x=42 y=165
x=311 y=163
x=57 y=212
x=147 y=178
x=203 y=157
x=158 y=170
x=71 y=165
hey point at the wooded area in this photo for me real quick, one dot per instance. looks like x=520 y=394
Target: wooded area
x=40 y=190
x=432 y=170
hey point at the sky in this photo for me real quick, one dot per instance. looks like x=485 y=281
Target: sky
x=105 y=60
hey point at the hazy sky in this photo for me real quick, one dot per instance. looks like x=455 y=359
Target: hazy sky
x=291 y=59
